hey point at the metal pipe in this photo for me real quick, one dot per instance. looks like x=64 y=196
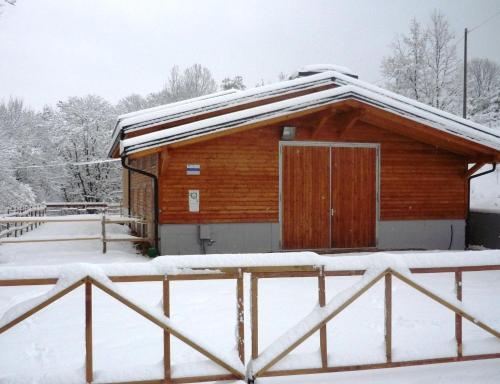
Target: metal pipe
x=129 y=190
x=154 y=178
x=467 y=221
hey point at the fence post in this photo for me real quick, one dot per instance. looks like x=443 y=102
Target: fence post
x=166 y=335
x=322 y=331
x=388 y=317
x=458 y=318
x=241 y=316
x=103 y=233
x=88 y=332
x=254 y=309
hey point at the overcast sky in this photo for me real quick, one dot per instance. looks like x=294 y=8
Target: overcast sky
x=53 y=49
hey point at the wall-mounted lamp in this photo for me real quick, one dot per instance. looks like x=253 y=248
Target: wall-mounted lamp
x=288 y=133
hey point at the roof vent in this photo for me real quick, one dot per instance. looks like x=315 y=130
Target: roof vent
x=318 y=68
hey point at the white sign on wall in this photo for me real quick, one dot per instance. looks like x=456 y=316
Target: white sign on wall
x=192 y=169
x=194 y=200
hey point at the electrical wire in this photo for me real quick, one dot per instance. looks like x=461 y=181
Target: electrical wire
x=64 y=164
x=485 y=21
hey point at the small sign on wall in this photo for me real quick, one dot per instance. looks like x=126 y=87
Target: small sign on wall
x=194 y=200
x=192 y=169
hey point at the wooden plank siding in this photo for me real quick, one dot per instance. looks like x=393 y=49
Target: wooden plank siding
x=306 y=197
x=141 y=191
x=239 y=179
x=354 y=197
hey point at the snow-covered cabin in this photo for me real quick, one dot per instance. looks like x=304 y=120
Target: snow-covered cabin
x=322 y=161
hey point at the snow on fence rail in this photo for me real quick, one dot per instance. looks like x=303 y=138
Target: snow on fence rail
x=103 y=236
x=13 y=227
x=83 y=207
x=372 y=268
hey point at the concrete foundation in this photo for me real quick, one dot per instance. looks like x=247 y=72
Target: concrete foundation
x=184 y=239
x=189 y=239
x=422 y=234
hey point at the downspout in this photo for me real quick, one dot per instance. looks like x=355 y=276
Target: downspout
x=154 y=178
x=129 y=190
x=467 y=222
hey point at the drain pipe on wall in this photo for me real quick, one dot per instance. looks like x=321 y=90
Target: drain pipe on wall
x=467 y=222
x=154 y=178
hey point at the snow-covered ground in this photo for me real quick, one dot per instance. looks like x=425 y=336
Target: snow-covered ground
x=49 y=346
x=88 y=251
x=485 y=191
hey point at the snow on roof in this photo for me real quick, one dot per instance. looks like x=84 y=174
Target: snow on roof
x=353 y=89
x=216 y=101
x=342 y=79
x=128 y=118
x=318 y=68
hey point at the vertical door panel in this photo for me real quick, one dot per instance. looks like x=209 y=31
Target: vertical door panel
x=354 y=197
x=305 y=197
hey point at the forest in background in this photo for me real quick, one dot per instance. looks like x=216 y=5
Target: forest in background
x=55 y=154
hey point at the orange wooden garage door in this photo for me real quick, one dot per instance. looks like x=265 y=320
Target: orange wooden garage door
x=305 y=197
x=354 y=197
x=328 y=197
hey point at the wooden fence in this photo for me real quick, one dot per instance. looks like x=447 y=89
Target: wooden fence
x=265 y=371
x=14 y=228
x=257 y=273
x=104 y=237
x=83 y=208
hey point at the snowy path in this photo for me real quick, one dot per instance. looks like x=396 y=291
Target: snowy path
x=50 y=344
x=88 y=251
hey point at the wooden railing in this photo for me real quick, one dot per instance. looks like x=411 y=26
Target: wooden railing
x=261 y=363
x=104 y=237
x=264 y=370
x=13 y=228
x=83 y=208
x=234 y=373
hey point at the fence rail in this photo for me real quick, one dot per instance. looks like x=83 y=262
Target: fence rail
x=257 y=273
x=14 y=227
x=83 y=207
x=105 y=238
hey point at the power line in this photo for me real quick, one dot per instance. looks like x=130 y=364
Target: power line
x=93 y=162
x=485 y=21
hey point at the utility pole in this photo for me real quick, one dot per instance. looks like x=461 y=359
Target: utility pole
x=465 y=75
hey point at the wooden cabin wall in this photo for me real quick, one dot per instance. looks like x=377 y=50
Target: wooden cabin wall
x=238 y=180
x=239 y=176
x=141 y=191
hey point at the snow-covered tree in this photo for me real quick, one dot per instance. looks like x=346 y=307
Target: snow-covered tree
x=192 y=82
x=15 y=121
x=423 y=65
x=131 y=103
x=232 y=83
x=81 y=133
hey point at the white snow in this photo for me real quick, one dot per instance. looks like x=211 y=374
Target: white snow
x=201 y=105
x=128 y=347
x=485 y=191
x=326 y=67
x=407 y=108
x=57 y=253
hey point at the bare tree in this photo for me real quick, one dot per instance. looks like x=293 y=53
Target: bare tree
x=423 y=65
x=232 y=83
x=193 y=82
x=442 y=63
x=405 y=68
x=483 y=77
